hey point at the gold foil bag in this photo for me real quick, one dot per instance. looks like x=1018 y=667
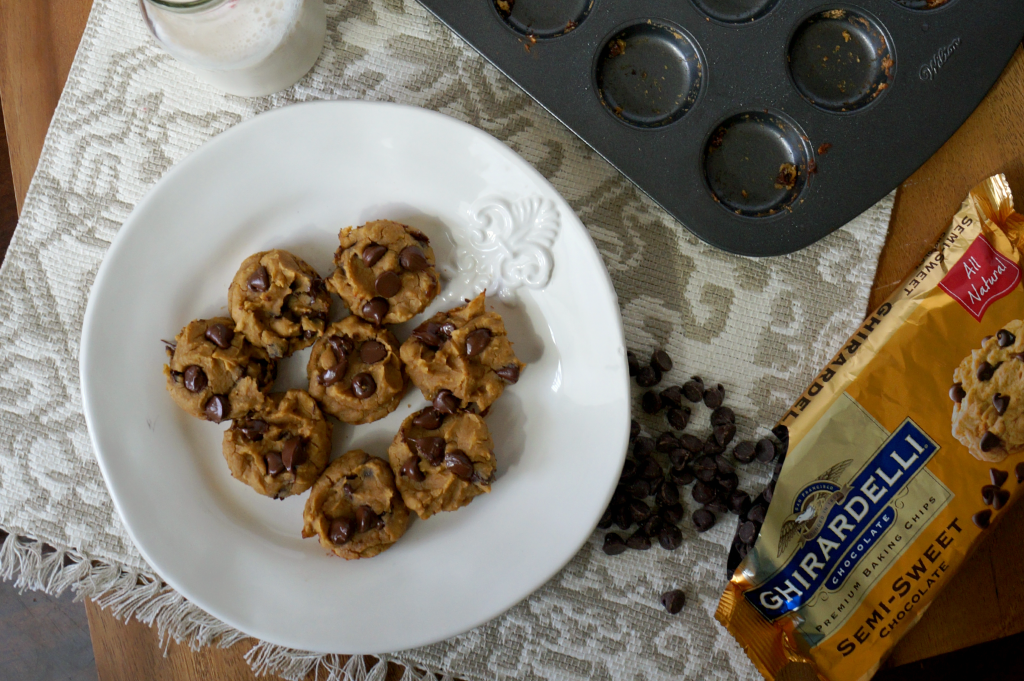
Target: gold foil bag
x=903 y=452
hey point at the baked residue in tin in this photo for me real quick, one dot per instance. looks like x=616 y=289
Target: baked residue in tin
x=786 y=179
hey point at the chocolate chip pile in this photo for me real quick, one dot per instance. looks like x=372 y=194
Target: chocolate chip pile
x=659 y=468
x=994 y=495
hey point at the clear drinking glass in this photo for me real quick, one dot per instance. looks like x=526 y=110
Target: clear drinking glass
x=244 y=47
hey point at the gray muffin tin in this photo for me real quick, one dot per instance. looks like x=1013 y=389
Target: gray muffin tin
x=761 y=125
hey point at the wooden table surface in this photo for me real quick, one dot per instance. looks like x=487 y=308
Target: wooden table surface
x=985 y=601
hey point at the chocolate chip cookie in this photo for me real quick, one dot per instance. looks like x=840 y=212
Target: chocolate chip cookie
x=279 y=448
x=442 y=461
x=463 y=353
x=988 y=396
x=279 y=302
x=214 y=373
x=355 y=372
x=354 y=507
x=385 y=272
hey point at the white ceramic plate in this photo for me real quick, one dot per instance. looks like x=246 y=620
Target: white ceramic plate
x=291 y=179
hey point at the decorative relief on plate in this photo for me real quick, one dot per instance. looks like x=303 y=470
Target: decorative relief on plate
x=507 y=245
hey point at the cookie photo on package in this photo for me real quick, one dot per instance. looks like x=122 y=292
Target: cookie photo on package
x=903 y=453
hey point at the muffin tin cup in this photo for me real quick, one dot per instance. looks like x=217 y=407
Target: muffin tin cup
x=847 y=153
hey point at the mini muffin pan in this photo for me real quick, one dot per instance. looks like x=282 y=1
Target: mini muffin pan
x=762 y=125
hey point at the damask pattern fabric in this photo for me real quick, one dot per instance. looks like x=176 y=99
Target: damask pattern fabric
x=129 y=112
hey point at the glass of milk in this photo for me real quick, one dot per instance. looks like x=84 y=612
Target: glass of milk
x=244 y=47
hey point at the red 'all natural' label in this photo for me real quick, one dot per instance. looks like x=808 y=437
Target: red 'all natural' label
x=980 y=278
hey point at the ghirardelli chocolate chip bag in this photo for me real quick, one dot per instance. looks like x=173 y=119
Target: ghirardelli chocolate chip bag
x=903 y=452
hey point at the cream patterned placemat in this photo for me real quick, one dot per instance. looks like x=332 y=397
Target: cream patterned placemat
x=129 y=112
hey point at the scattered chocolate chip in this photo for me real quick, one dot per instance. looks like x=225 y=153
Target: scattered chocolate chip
x=647 y=377
x=667 y=441
x=717 y=506
x=769 y=492
x=703 y=493
x=643 y=445
x=989 y=441
x=757 y=513
x=693 y=390
x=372 y=351
x=678 y=418
x=639 y=541
x=1005 y=338
x=673 y=601
x=661 y=361
x=220 y=335
x=672 y=397
x=679 y=458
x=387 y=284
x=363 y=385
x=294 y=453
x=428 y=419
x=703 y=519
x=744 y=452
x=998 y=476
x=195 y=378
x=458 y=464
x=765 y=450
x=739 y=502
x=704 y=469
x=628 y=470
x=373 y=253
x=711 y=446
x=713 y=397
x=652 y=526
x=681 y=476
x=670 y=538
x=985 y=371
x=634 y=430
x=633 y=362
x=412 y=259
x=651 y=402
x=1018 y=472
x=430 y=448
x=367 y=519
x=606 y=519
x=639 y=510
x=650 y=470
x=217 y=408
x=982 y=518
x=510 y=373
x=691 y=443
x=477 y=341
x=622 y=518
x=723 y=416
x=329 y=377
x=411 y=469
x=957 y=392
x=722 y=461
x=1001 y=403
x=727 y=481
x=1001 y=497
x=446 y=402
x=252 y=429
x=672 y=513
x=274 y=463
x=375 y=310
x=341 y=530
x=747 y=532
x=639 y=489
x=259 y=281
x=668 y=494
x=613 y=544
x=342 y=346
x=724 y=434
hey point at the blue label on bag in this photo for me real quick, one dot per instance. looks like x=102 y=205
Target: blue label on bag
x=842 y=524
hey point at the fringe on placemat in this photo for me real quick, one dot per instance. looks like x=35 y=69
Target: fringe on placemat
x=36 y=566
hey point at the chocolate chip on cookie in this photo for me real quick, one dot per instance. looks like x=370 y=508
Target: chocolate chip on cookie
x=1005 y=339
x=217 y=408
x=989 y=441
x=957 y=392
x=220 y=335
x=372 y=253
